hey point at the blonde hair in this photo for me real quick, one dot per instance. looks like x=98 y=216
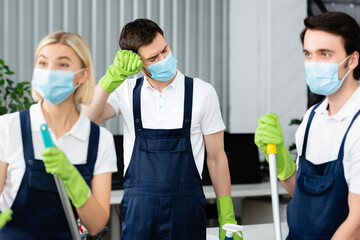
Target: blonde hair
x=85 y=92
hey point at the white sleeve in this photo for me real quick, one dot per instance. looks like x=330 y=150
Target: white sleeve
x=211 y=120
x=10 y=134
x=354 y=168
x=122 y=94
x=114 y=100
x=106 y=158
x=3 y=139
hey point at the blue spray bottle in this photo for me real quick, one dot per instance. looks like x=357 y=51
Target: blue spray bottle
x=231 y=229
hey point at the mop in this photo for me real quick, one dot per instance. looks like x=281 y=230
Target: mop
x=61 y=189
x=271 y=152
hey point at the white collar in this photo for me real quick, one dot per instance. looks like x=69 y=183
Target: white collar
x=80 y=129
x=175 y=83
x=348 y=110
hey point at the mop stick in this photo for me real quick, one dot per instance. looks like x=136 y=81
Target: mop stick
x=61 y=189
x=271 y=151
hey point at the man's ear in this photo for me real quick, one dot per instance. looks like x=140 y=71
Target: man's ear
x=145 y=71
x=354 y=60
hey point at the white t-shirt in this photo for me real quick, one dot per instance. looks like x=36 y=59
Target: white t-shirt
x=74 y=144
x=325 y=136
x=165 y=111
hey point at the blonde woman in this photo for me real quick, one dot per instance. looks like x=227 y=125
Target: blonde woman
x=84 y=156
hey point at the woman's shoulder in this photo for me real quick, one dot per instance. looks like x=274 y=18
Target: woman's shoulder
x=10 y=127
x=9 y=120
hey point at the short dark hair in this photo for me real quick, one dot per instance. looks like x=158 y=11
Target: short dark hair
x=339 y=24
x=138 y=33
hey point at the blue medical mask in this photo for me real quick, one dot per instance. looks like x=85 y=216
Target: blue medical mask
x=163 y=70
x=54 y=85
x=322 y=77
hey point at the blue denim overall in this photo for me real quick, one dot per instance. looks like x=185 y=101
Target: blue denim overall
x=37 y=210
x=320 y=201
x=163 y=196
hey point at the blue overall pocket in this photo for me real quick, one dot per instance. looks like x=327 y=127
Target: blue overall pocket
x=311 y=197
x=163 y=145
x=315 y=185
x=163 y=159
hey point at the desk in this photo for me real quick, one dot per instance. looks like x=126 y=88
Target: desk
x=237 y=190
x=256 y=231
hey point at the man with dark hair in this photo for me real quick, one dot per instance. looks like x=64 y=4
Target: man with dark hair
x=325 y=183
x=168 y=119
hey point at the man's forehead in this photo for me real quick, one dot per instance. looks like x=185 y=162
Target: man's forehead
x=151 y=52
x=319 y=50
x=316 y=40
x=154 y=48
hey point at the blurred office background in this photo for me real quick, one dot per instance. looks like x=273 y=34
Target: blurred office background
x=249 y=51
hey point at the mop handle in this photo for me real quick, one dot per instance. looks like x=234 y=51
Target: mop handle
x=61 y=188
x=271 y=151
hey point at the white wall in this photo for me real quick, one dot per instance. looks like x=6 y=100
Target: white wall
x=194 y=29
x=263 y=71
x=266 y=63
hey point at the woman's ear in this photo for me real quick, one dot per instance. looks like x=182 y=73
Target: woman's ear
x=84 y=76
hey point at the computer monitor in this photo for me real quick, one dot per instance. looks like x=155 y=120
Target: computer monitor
x=243 y=158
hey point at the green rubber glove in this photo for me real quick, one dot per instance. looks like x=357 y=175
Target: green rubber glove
x=57 y=163
x=5 y=217
x=269 y=131
x=226 y=215
x=126 y=63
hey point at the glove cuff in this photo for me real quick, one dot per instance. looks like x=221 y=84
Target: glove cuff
x=225 y=209
x=109 y=83
x=288 y=167
x=77 y=189
x=223 y=200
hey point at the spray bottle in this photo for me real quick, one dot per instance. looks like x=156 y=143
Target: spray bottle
x=231 y=229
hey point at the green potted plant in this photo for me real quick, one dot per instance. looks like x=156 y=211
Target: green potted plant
x=292 y=147
x=13 y=96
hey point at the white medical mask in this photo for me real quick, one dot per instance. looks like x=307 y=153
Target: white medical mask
x=54 y=85
x=323 y=78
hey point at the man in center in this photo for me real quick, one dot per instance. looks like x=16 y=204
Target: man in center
x=169 y=120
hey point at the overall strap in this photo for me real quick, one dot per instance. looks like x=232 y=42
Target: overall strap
x=341 y=151
x=188 y=102
x=137 y=104
x=307 y=129
x=93 y=145
x=26 y=135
